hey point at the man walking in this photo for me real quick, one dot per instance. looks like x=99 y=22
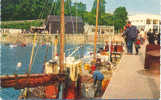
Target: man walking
x=131 y=34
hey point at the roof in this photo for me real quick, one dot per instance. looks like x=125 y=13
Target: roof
x=52 y=18
x=144 y=16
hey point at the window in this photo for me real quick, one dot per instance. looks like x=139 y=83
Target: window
x=111 y=30
x=155 y=21
x=93 y=29
x=148 y=21
x=107 y=30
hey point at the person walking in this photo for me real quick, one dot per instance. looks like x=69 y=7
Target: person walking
x=142 y=36
x=131 y=34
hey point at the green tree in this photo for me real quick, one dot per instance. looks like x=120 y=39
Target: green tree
x=101 y=10
x=89 y=18
x=120 y=17
x=107 y=19
x=78 y=9
x=24 y=9
x=67 y=6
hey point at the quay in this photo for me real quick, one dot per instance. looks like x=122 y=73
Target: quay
x=131 y=81
x=69 y=38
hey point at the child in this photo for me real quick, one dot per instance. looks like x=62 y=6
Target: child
x=137 y=45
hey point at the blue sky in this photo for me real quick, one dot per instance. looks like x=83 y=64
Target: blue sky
x=132 y=6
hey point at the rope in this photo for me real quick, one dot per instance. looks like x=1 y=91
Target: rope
x=36 y=53
x=74 y=51
x=44 y=29
x=32 y=53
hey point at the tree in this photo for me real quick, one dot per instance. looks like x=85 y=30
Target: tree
x=120 y=17
x=89 y=18
x=78 y=9
x=24 y=9
x=101 y=9
x=67 y=6
x=107 y=19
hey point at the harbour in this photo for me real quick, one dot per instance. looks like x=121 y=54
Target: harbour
x=68 y=52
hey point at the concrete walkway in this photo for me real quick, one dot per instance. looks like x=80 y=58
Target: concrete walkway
x=131 y=81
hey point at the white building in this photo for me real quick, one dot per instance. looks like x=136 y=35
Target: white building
x=146 y=21
x=90 y=29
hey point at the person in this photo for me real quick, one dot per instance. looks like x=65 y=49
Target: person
x=158 y=39
x=106 y=48
x=98 y=77
x=142 y=36
x=93 y=66
x=131 y=33
x=151 y=37
x=137 y=45
x=123 y=35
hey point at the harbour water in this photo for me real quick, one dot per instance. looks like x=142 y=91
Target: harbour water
x=10 y=56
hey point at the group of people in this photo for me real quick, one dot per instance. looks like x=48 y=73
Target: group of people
x=133 y=36
x=152 y=36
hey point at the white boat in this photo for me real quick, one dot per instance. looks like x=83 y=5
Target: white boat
x=13 y=46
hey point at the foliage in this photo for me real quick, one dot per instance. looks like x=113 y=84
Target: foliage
x=101 y=11
x=120 y=17
x=107 y=19
x=21 y=25
x=89 y=18
x=40 y=9
x=24 y=9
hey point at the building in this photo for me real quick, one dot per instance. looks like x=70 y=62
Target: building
x=11 y=31
x=90 y=29
x=34 y=29
x=146 y=21
x=73 y=24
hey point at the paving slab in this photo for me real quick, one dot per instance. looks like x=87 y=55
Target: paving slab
x=131 y=81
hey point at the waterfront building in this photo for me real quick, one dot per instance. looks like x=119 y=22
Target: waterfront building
x=146 y=21
x=90 y=29
x=73 y=24
x=10 y=31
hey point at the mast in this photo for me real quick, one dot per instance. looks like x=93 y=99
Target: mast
x=95 y=36
x=61 y=58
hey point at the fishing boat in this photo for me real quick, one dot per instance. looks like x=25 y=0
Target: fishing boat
x=64 y=77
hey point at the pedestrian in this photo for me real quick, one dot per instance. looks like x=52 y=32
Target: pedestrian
x=137 y=45
x=131 y=34
x=158 y=39
x=142 y=36
x=123 y=35
x=151 y=37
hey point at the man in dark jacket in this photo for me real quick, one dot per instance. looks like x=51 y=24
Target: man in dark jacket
x=131 y=34
x=151 y=37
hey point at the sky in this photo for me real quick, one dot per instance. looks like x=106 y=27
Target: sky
x=132 y=6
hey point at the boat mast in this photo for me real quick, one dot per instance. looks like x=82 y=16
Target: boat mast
x=61 y=57
x=95 y=37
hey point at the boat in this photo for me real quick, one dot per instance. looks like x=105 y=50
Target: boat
x=63 y=77
x=12 y=45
